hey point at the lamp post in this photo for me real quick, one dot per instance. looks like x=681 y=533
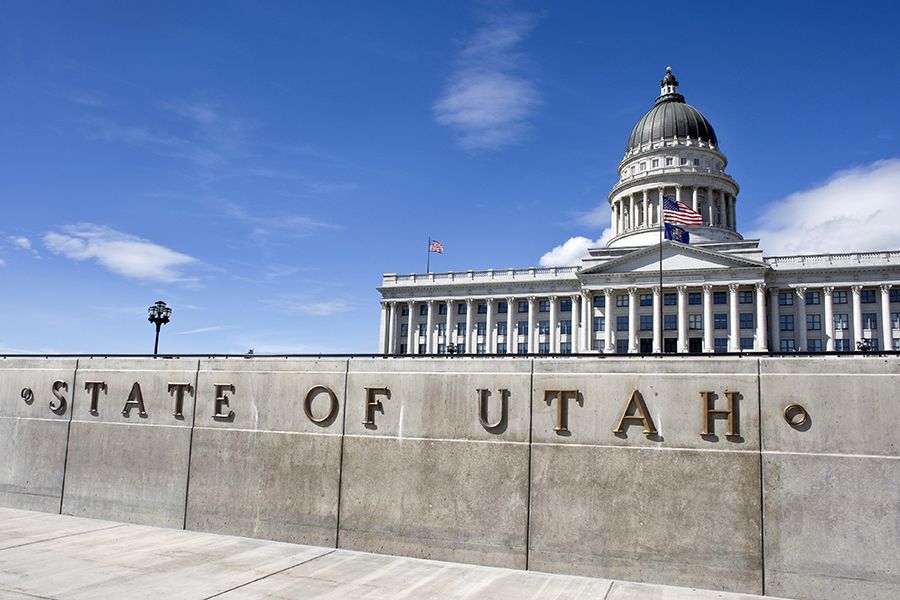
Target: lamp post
x=159 y=315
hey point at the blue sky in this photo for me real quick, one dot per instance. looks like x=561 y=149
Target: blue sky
x=259 y=165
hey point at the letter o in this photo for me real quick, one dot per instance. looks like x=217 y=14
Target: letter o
x=795 y=415
x=307 y=404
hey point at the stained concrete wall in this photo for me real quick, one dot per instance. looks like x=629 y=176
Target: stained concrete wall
x=804 y=511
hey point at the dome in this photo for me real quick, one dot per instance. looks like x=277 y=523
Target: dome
x=670 y=117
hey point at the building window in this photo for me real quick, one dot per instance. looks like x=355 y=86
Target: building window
x=670 y=322
x=482 y=308
x=422 y=328
x=720 y=321
x=895 y=320
x=670 y=299
x=813 y=298
x=522 y=327
x=544 y=348
x=694 y=298
x=461 y=348
x=695 y=322
x=721 y=344
x=599 y=301
x=654 y=163
x=643 y=166
x=404 y=310
x=646 y=300
x=522 y=348
x=442 y=308
x=481 y=327
x=501 y=348
x=502 y=308
x=622 y=323
x=839 y=297
x=442 y=348
x=841 y=322
x=895 y=295
x=462 y=309
x=460 y=329
x=745 y=297
x=423 y=310
x=870 y=321
x=565 y=326
x=814 y=322
x=814 y=345
x=622 y=300
x=565 y=305
x=897 y=344
x=621 y=346
x=544 y=327
x=746 y=320
x=543 y=306
x=867 y=296
x=746 y=343
x=683 y=161
x=696 y=162
x=501 y=328
x=646 y=322
x=402 y=349
x=480 y=348
x=785 y=298
x=442 y=328
x=421 y=348
x=842 y=345
x=786 y=322
x=787 y=346
x=565 y=348
x=523 y=306
x=599 y=323
x=404 y=329
x=669 y=161
x=719 y=298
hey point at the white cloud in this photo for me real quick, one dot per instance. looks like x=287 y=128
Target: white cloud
x=304 y=305
x=118 y=252
x=487 y=101
x=22 y=243
x=855 y=210
x=201 y=330
x=2 y=263
x=570 y=252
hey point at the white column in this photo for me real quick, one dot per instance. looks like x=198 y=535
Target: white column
x=657 y=320
x=392 y=329
x=774 y=325
x=470 y=320
x=677 y=193
x=575 y=337
x=612 y=218
x=682 y=319
x=761 y=318
x=732 y=206
x=631 y=219
x=489 y=328
x=621 y=215
x=646 y=222
x=722 y=220
x=695 y=200
x=410 y=331
x=429 y=341
x=632 y=320
x=608 y=347
x=510 y=325
x=734 y=332
x=450 y=335
x=857 y=315
x=659 y=206
x=829 y=318
x=800 y=328
x=886 y=337
x=532 y=318
x=708 y=345
x=709 y=206
x=554 y=324
x=585 y=325
x=382 y=328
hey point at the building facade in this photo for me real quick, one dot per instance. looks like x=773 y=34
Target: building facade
x=643 y=294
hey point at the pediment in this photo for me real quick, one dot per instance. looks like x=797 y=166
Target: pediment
x=675 y=257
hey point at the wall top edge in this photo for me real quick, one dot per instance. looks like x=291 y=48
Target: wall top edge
x=465 y=357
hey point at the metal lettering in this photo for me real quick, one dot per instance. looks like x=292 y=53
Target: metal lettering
x=636 y=413
x=307 y=404
x=27 y=395
x=795 y=415
x=179 y=389
x=94 y=388
x=135 y=399
x=59 y=408
x=221 y=401
x=709 y=412
x=373 y=404
x=483 y=408
x=562 y=407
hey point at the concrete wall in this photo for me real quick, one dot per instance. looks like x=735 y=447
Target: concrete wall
x=395 y=456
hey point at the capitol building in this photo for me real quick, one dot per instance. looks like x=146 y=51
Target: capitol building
x=717 y=293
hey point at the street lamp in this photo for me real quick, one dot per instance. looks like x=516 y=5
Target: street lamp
x=159 y=315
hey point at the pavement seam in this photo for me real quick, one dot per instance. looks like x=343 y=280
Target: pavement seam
x=609 y=589
x=59 y=537
x=288 y=568
x=29 y=594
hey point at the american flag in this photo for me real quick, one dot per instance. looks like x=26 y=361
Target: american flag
x=678 y=212
x=435 y=246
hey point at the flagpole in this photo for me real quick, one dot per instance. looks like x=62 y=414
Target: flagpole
x=428 y=255
x=662 y=331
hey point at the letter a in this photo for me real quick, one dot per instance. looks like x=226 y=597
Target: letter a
x=636 y=413
x=135 y=399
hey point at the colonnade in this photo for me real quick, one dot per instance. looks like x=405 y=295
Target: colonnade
x=638 y=209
